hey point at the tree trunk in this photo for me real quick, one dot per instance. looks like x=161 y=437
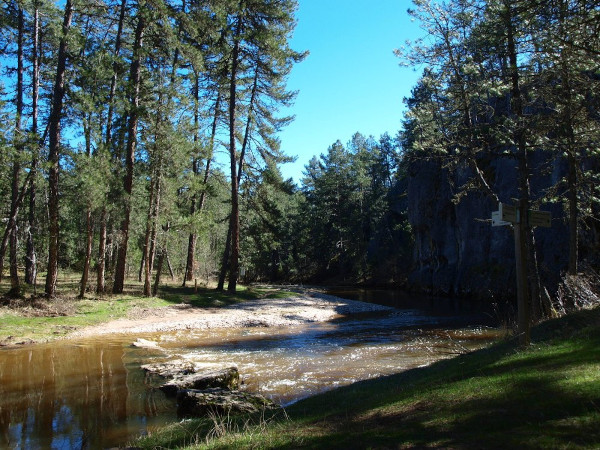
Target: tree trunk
x=170 y=267
x=230 y=234
x=573 y=214
x=235 y=212
x=161 y=258
x=225 y=260
x=572 y=178
x=101 y=278
x=145 y=268
x=113 y=81
x=54 y=154
x=30 y=257
x=15 y=285
x=102 y=238
x=88 y=218
x=88 y=253
x=152 y=220
x=100 y=283
x=12 y=220
x=135 y=79
x=190 y=263
x=234 y=235
x=142 y=263
x=527 y=276
x=159 y=267
x=209 y=158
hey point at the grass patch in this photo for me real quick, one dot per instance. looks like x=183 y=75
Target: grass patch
x=37 y=320
x=547 y=396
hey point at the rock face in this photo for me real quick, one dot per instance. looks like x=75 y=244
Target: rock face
x=456 y=250
x=192 y=402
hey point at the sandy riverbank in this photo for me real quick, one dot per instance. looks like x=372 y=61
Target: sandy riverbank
x=302 y=308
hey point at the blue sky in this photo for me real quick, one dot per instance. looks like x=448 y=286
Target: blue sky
x=351 y=81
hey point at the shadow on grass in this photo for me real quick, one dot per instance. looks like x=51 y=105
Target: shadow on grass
x=211 y=298
x=545 y=397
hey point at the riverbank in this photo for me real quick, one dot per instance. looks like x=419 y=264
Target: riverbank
x=293 y=309
x=36 y=320
x=547 y=396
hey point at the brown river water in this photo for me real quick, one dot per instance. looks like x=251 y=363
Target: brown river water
x=92 y=393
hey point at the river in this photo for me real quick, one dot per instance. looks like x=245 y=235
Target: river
x=92 y=393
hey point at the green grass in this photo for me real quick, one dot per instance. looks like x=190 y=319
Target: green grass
x=34 y=319
x=547 y=396
x=39 y=321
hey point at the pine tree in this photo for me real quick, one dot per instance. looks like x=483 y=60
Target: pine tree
x=135 y=80
x=58 y=94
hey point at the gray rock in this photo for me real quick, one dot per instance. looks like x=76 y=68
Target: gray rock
x=144 y=343
x=191 y=402
x=171 y=369
x=223 y=379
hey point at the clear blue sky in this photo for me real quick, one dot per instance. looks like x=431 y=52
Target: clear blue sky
x=351 y=81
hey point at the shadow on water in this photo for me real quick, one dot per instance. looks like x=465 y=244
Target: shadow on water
x=93 y=393
x=461 y=312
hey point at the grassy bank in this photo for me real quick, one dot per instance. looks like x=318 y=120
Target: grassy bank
x=547 y=396
x=33 y=319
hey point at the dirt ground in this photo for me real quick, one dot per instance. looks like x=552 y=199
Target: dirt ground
x=296 y=310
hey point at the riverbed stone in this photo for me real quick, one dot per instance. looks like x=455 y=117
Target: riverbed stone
x=170 y=369
x=197 y=403
x=144 y=343
x=228 y=378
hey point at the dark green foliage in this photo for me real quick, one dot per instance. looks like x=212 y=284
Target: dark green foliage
x=503 y=112
x=348 y=220
x=354 y=213
x=151 y=96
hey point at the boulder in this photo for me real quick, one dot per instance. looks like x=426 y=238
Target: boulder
x=192 y=402
x=224 y=379
x=171 y=369
x=144 y=343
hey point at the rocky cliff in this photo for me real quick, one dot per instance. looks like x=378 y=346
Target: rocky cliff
x=456 y=250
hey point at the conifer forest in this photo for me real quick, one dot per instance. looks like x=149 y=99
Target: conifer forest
x=140 y=137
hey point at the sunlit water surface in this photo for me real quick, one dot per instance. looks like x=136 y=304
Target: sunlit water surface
x=93 y=393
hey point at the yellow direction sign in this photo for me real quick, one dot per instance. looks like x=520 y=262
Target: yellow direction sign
x=540 y=219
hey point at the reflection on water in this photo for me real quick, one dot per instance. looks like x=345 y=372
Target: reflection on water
x=92 y=394
x=74 y=396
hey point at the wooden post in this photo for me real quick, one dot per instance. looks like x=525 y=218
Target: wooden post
x=521 y=218
x=524 y=325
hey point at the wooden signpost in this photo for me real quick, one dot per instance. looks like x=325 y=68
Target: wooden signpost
x=511 y=215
